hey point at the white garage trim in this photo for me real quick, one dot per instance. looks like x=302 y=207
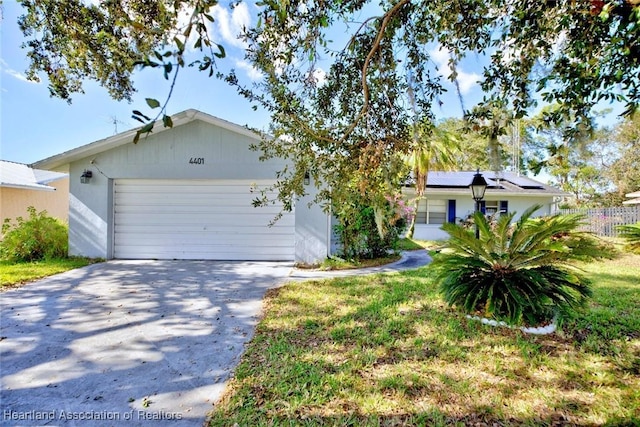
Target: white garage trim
x=198 y=219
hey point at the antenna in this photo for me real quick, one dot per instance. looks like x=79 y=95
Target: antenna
x=114 y=121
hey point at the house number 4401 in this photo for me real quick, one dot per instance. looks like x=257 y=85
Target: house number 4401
x=196 y=161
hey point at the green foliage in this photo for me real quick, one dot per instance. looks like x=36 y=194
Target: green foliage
x=71 y=41
x=473 y=146
x=516 y=273
x=631 y=233
x=367 y=232
x=576 y=157
x=39 y=237
x=355 y=119
x=624 y=173
x=407 y=244
x=435 y=149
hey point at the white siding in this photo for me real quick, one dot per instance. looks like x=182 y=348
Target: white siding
x=197 y=219
x=465 y=206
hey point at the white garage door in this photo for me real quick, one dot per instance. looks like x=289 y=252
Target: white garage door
x=197 y=219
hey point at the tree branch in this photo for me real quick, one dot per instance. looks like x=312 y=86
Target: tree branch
x=374 y=48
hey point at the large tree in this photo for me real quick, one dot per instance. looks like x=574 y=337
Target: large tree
x=345 y=81
x=597 y=165
x=624 y=172
x=575 y=158
x=474 y=150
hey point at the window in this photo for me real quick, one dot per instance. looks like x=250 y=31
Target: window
x=431 y=212
x=491 y=207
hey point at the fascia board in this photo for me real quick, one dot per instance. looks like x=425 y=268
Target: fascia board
x=125 y=137
x=35 y=187
x=455 y=191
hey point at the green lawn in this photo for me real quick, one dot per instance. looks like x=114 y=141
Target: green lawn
x=14 y=274
x=384 y=350
x=407 y=244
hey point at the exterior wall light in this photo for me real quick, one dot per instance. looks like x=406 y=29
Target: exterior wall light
x=478 y=187
x=86 y=176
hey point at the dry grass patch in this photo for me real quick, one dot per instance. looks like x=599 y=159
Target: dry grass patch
x=384 y=350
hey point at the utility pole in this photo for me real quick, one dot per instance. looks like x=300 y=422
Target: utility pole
x=515 y=146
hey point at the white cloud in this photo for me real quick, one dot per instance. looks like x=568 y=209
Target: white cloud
x=559 y=43
x=441 y=57
x=466 y=81
x=509 y=52
x=319 y=76
x=13 y=73
x=252 y=72
x=226 y=30
x=231 y=24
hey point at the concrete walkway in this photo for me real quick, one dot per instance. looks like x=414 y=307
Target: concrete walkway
x=135 y=343
x=408 y=260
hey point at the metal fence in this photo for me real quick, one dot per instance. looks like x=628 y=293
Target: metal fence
x=603 y=221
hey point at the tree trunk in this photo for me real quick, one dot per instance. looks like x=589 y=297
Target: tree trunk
x=412 y=224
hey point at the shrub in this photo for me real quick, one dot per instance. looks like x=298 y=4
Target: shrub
x=36 y=238
x=631 y=233
x=360 y=238
x=518 y=273
x=367 y=232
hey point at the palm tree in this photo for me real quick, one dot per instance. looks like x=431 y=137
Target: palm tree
x=434 y=149
x=516 y=272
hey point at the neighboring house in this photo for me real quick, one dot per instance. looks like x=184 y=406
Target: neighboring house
x=22 y=186
x=184 y=193
x=448 y=199
x=634 y=198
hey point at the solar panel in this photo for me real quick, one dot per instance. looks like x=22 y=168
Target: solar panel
x=449 y=179
x=523 y=181
x=454 y=179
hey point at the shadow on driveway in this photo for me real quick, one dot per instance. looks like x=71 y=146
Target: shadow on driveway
x=128 y=342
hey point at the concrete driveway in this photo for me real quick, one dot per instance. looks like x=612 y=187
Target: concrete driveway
x=127 y=342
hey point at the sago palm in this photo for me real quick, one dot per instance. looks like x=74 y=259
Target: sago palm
x=519 y=273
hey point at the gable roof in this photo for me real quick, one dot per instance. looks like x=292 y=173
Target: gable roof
x=126 y=137
x=499 y=183
x=18 y=175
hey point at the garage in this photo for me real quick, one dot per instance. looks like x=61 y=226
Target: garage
x=198 y=219
x=186 y=192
